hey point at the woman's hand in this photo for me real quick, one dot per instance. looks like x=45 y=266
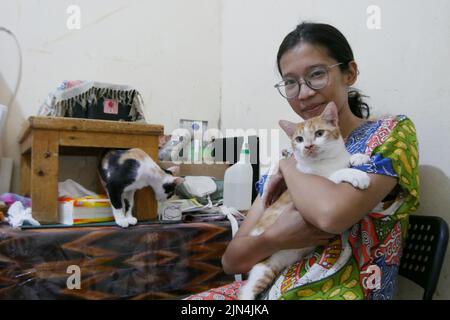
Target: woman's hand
x=273 y=189
x=276 y=185
x=291 y=231
x=286 y=163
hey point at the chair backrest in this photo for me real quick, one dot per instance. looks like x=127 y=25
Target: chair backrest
x=424 y=252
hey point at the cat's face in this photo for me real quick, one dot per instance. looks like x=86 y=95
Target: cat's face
x=167 y=189
x=316 y=138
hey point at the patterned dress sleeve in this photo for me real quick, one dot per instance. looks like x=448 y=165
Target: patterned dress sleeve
x=394 y=152
x=261 y=183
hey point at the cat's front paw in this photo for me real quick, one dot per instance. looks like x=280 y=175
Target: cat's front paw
x=132 y=221
x=360 y=181
x=122 y=222
x=357 y=178
x=358 y=159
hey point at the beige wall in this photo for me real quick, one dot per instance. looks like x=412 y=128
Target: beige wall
x=215 y=60
x=169 y=50
x=404 y=69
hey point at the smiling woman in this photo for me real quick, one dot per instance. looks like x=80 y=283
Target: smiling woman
x=314 y=50
x=353 y=231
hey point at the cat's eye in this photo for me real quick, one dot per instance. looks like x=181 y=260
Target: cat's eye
x=299 y=139
x=320 y=133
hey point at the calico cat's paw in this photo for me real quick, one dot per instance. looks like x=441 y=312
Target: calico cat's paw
x=132 y=221
x=122 y=222
x=358 y=159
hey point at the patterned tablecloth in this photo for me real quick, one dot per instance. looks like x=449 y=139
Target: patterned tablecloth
x=148 y=261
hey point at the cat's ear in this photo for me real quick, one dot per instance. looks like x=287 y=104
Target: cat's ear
x=288 y=127
x=330 y=114
x=178 y=180
x=174 y=171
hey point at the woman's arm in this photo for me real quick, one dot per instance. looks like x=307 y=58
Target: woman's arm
x=289 y=231
x=244 y=251
x=333 y=207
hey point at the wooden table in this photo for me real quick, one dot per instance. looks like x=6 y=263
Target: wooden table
x=146 y=261
x=45 y=138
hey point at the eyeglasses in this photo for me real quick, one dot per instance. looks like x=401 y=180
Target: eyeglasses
x=316 y=79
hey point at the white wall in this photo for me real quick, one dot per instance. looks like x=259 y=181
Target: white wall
x=168 y=49
x=216 y=60
x=404 y=69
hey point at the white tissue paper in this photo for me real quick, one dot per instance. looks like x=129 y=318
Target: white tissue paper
x=72 y=189
x=17 y=215
x=200 y=186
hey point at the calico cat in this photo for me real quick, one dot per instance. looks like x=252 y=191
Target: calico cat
x=122 y=172
x=318 y=148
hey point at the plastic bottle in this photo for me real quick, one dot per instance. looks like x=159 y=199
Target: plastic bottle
x=238 y=181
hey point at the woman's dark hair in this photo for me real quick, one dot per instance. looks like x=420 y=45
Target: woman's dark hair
x=338 y=48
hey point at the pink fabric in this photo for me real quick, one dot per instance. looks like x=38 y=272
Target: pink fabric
x=226 y=292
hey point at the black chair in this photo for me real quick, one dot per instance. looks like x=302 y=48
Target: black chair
x=424 y=252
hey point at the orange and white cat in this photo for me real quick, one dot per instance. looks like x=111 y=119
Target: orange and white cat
x=318 y=148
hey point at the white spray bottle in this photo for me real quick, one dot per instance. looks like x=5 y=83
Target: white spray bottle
x=238 y=179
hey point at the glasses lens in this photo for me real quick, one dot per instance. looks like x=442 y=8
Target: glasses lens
x=317 y=78
x=288 y=88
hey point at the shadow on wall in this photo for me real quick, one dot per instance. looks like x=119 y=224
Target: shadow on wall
x=80 y=169
x=434 y=192
x=434 y=201
x=14 y=123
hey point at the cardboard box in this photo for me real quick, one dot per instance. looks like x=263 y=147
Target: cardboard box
x=84 y=210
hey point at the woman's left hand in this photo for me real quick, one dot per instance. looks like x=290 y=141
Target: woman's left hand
x=276 y=185
x=287 y=162
x=273 y=189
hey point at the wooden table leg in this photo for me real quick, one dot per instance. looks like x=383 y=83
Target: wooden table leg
x=44 y=176
x=25 y=174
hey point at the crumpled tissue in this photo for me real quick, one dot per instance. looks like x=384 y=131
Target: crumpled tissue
x=18 y=215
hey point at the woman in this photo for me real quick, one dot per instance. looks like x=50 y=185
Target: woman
x=365 y=264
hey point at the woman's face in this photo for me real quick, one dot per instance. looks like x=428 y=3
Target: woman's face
x=296 y=62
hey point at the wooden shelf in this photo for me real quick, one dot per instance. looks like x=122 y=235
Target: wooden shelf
x=45 y=138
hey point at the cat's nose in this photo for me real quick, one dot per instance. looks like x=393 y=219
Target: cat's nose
x=309 y=146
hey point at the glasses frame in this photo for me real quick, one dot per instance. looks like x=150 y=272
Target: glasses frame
x=299 y=84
